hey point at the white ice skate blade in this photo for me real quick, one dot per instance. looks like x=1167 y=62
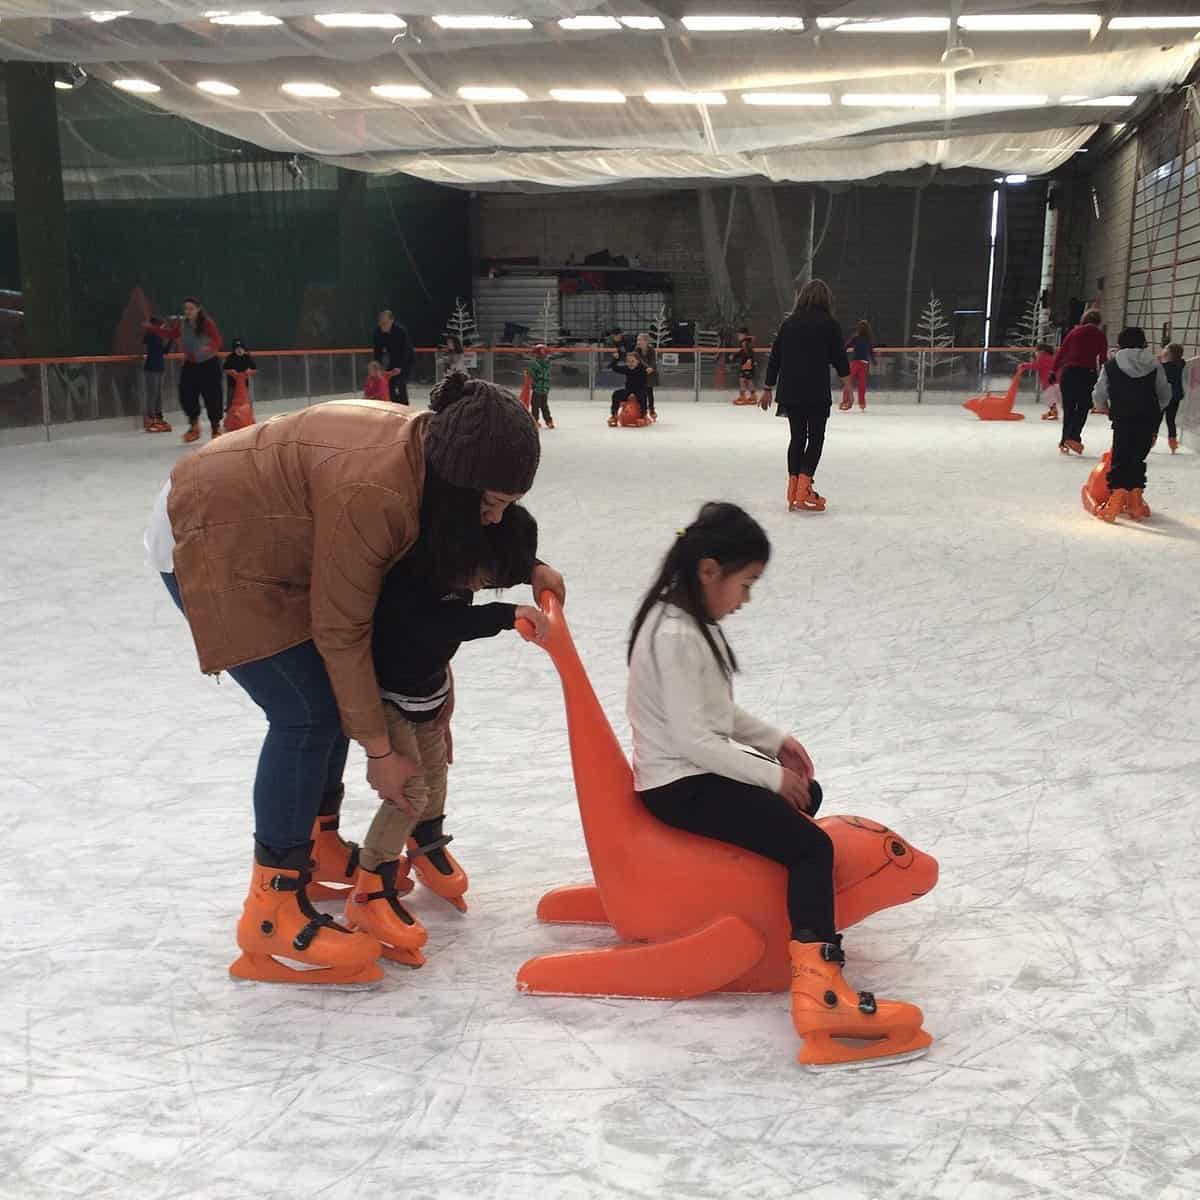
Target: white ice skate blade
x=293 y=964
x=862 y=1063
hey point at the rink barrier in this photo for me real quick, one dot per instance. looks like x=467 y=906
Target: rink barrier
x=41 y=398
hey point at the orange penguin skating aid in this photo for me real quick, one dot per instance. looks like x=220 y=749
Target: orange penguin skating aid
x=1095 y=491
x=990 y=407
x=694 y=915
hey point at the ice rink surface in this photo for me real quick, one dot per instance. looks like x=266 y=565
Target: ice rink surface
x=1009 y=683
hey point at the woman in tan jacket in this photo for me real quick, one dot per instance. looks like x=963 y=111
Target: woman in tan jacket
x=274 y=542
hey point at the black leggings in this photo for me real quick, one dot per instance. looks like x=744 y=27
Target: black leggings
x=1131 y=442
x=541 y=406
x=1076 y=384
x=763 y=823
x=398 y=388
x=808 y=440
x=1170 y=413
x=202 y=379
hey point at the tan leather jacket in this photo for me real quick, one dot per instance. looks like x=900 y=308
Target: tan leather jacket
x=284 y=531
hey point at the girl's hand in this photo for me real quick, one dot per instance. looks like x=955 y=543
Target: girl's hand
x=794 y=757
x=794 y=789
x=764 y=401
x=388 y=775
x=536 y=618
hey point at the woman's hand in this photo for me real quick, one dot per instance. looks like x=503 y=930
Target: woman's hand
x=793 y=757
x=794 y=789
x=764 y=400
x=388 y=775
x=547 y=579
x=536 y=618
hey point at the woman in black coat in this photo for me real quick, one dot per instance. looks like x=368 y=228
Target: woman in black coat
x=808 y=343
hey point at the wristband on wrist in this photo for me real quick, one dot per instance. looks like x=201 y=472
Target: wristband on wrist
x=377 y=757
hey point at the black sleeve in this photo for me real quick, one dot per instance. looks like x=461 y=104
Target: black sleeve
x=772 y=376
x=470 y=622
x=406 y=352
x=618 y=367
x=377 y=345
x=837 y=351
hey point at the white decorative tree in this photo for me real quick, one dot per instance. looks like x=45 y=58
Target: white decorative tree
x=547 y=325
x=461 y=324
x=1029 y=331
x=934 y=331
x=660 y=329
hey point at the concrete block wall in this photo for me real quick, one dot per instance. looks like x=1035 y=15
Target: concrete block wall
x=1091 y=248
x=864 y=255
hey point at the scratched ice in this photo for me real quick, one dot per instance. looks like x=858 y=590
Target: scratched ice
x=968 y=657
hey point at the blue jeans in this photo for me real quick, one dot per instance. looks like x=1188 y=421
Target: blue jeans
x=304 y=753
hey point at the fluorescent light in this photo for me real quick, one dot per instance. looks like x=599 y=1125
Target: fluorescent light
x=1099 y=101
x=102 y=18
x=1154 y=23
x=142 y=87
x=310 y=91
x=63 y=86
x=513 y=94
x=1016 y=178
x=788 y=99
x=998 y=100
x=666 y=97
x=587 y=96
x=401 y=91
x=886 y=24
x=648 y=24
x=353 y=20
x=1029 y=22
x=214 y=87
x=245 y=20
x=743 y=24
x=895 y=100
x=482 y=22
x=575 y=24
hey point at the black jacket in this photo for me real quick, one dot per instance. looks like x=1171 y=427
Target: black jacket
x=808 y=343
x=393 y=349
x=418 y=631
x=636 y=379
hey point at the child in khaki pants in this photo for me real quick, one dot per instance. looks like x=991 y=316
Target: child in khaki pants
x=420 y=623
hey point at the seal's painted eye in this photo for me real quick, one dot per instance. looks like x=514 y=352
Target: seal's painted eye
x=898 y=852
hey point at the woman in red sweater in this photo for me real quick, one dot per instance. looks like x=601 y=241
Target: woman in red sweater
x=1083 y=352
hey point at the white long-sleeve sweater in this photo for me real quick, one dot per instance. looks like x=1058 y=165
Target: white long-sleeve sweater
x=680 y=704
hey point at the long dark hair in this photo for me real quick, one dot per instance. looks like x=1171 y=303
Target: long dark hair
x=816 y=293
x=200 y=321
x=451 y=544
x=723 y=532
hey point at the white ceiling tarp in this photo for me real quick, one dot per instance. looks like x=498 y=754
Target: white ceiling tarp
x=549 y=143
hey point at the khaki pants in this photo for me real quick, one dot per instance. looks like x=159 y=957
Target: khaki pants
x=425 y=744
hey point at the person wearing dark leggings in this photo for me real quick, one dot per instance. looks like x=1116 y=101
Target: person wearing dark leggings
x=1173 y=363
x=200 y=340
x=808 y=343
x=1080 y=356
x=764 y=823
x=691 y=773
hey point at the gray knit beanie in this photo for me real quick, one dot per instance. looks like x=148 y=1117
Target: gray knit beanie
x=481 y=438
